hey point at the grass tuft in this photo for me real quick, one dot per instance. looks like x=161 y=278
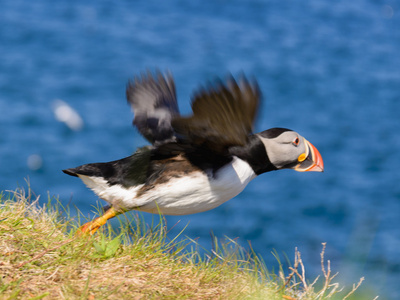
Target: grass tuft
x=41 y=258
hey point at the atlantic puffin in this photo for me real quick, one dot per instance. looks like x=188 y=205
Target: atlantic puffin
x=194 y=163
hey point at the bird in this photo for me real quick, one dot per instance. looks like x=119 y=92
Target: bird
x=193 y=163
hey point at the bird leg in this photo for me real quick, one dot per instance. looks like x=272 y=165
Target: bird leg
x=92 y=226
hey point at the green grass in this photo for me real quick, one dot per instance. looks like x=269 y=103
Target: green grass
x=41 y=258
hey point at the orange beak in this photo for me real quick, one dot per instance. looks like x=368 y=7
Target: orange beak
x=313 y=161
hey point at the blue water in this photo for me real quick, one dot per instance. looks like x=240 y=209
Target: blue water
x=329 y=70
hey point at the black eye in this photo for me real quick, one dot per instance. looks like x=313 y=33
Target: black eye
x=296 y=141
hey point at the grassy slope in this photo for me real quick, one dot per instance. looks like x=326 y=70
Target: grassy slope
x=40 y=258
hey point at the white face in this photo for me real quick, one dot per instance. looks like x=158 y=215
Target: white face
x=286 y=150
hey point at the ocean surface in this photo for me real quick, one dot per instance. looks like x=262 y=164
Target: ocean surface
x=327 y=69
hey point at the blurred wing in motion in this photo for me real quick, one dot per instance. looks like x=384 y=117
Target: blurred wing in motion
x=223 y=116
x=153 y=100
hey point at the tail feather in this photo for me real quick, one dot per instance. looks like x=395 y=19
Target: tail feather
x=71 y=172
x=96 y=169
x=129 y=171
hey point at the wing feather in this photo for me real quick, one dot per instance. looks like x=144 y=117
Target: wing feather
x=223 y=115
x=153 y=100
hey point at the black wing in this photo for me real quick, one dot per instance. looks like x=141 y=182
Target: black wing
x=153 y=100
x=223 y=116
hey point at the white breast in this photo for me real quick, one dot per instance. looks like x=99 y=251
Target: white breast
x=192 y=193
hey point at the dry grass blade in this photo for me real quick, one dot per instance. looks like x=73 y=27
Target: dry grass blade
x=293 y=271
x=296 y=286
x=36 y=257
x=355 y=287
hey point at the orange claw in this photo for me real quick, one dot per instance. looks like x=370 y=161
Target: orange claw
x=92 y=226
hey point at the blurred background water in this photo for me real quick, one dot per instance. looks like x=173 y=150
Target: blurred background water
x=329 y=70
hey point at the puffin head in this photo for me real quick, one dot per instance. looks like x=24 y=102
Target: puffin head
x=286 y=149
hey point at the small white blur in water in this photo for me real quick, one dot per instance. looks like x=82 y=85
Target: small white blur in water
x=34 y=162
x=67 y=115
